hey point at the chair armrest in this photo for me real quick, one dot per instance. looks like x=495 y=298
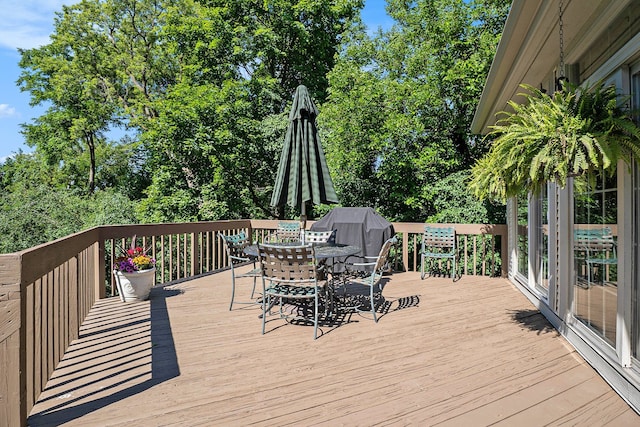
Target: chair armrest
x=361 y=264
x=238 y=258
x=357 y=268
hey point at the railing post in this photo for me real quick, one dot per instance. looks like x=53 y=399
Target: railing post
x=101 y=265
x=13 y=340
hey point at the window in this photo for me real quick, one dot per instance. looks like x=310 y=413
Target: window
x=542 y=242
x=595 y=284
x=522 y=207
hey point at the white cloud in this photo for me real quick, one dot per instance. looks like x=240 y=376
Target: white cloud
x=28 y=23
x=7 y=111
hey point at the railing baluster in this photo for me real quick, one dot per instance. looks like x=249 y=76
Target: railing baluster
x=170 y=278
x=466 y=254
x=162 y=262
x=475 y=254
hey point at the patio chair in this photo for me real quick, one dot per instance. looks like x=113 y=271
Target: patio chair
x=287 y=232
x=357 y=274
x=595 y=246
x=315 y=237
x=438 y=243
x=289 y=274
x=234 y=245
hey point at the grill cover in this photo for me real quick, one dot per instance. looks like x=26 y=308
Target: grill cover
x=362 y=227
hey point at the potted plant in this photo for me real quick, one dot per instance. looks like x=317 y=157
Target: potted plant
x=578 y=131
x=135 y=273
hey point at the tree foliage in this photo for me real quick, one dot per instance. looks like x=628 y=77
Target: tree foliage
x=35 y=210
x=199 y=82
x=219 y=130
x=401 y=102
x=102 y=69
x=201 y=89
x=454 y=203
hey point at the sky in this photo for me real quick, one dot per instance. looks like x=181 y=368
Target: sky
x=27 y=24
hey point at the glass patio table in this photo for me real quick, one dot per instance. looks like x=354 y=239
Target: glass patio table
x=323 y=251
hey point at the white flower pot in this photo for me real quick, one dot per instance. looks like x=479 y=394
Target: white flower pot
x=135 y=286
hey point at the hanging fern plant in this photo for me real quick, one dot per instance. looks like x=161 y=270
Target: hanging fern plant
x=549 y=139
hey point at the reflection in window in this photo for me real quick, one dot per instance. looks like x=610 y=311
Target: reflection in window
x=542 y=242
x=595 y=290
x=523 y=238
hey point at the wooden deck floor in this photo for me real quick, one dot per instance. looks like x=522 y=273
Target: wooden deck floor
x=470 y=353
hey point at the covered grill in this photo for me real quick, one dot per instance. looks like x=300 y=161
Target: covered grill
x=362 y=227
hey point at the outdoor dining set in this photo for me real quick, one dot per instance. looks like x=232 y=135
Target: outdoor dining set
x=301 y=275
x=302 y=268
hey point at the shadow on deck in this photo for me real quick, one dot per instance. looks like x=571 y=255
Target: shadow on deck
x=473 y=352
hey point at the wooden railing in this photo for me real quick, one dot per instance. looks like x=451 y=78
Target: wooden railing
x=47 y=291
x=482 y=248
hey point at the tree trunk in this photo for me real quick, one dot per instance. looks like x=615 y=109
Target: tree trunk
x=92 y=167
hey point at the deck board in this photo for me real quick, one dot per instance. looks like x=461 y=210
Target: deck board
x=470 y=352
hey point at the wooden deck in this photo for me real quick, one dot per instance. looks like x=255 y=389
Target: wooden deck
x=470 y=353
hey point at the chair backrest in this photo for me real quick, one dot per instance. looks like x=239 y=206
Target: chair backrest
x=235 y=243
x=288 y=231
x=288 y=264
x=593 y=240
x=311 y=237
x=439 y=237
x=383 y=256
x=288 y=226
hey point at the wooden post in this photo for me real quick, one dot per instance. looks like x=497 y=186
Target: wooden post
x=13 y=382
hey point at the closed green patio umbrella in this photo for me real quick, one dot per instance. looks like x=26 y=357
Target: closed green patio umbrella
x=303 y=174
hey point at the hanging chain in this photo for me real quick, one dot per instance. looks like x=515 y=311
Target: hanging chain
x=561 y=33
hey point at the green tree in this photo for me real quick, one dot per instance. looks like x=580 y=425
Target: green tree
x=201 y=84
x=410 y=95
x=102 y=69
x=220 y=128
x=35 y=208
x=454 y=203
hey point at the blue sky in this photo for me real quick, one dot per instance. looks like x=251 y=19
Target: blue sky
x=28 y=24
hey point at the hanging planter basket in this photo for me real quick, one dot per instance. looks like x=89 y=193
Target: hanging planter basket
x=552 y=138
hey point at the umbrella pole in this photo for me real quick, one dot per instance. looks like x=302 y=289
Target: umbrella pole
x=303 y=216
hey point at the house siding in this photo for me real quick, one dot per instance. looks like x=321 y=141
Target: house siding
x=623 y=29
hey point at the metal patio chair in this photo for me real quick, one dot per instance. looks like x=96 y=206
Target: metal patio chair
x=287 y=232
x=438 y=243
x=317 y=237
x=357 y=274
x=289 y=275
x=234 y=245
x=596 y=247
